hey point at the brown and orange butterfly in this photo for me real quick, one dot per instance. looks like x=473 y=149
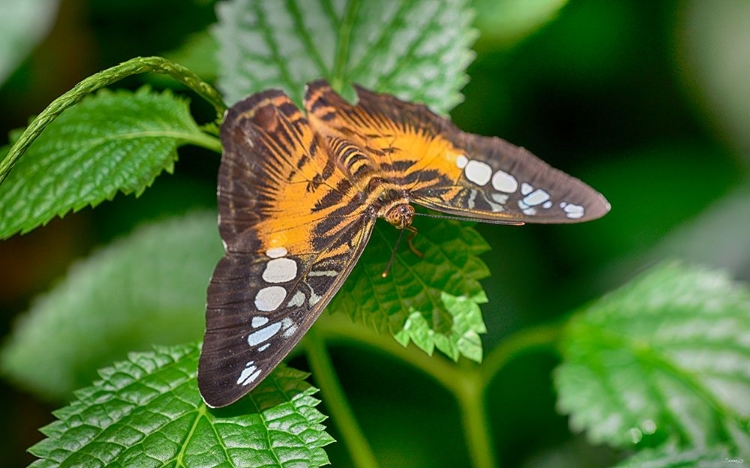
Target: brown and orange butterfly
x=299 y=196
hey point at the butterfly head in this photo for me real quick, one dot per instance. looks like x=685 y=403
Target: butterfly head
x=400 y=215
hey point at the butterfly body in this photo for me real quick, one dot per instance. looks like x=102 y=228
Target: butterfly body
x=299 y=196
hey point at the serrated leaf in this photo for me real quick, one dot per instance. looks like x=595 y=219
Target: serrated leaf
x=665 y=357
x=147 y=412
x=110 y=142
x=148 y=288
x=670 y=457
x=432 y=301
x=417 y=50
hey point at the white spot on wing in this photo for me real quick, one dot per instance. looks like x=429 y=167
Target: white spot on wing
x=259 y=321
x=249 y=374
x=499 y=197
x=280 y=270
x=536 y=197
x=263 y=334
x=264 y=347
x=547 y=204
x=314 y=298
x=526 y=188
x=323 y=273
x=286 y=323
x=270 y=298
x=462 y=161
x=297 y=300
x=504 y=182
x=276 y=252
x=289 y=331
x=573 y=211
x=478 y=172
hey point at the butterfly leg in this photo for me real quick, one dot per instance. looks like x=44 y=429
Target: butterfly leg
x=411 y=237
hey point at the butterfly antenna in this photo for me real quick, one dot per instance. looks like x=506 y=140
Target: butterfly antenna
x=469 y=218
x=393 y=254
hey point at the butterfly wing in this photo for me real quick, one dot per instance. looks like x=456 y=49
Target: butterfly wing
x=292 y=231
x=446 y=169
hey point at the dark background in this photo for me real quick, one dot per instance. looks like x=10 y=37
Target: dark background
x=638 y=98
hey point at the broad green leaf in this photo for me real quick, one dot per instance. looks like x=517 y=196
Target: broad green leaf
x=666 y=356
x=148 y=288
x=432 y=301
x=108 y=143
x=670 y=457
x=23 y=23
x=147 y=411
x=417 y=50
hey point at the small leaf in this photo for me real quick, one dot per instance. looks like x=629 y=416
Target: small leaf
x=434 y=300
x=147 y=411
x=110 y=142
x=417 y=50
x=666 y=357
x=148 y=288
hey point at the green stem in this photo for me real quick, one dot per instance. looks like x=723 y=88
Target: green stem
x=336 y=402
x=99 y=80
x=476 y=426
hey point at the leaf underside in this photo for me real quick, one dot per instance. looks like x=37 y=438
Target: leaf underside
x=149 y=287
x=416 y=50
x=666 y=357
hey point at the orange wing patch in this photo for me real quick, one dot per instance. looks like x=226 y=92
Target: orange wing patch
x=448 y=170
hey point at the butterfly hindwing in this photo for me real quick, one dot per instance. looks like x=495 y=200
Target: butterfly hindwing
x=446 y=169
x=288 y=250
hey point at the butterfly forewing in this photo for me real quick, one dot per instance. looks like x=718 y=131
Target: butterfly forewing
x=443 y=168
x=288 y=248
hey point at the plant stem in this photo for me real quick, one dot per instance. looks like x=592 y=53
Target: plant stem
x=99 y=80
x=474 y=419
x=336 y=402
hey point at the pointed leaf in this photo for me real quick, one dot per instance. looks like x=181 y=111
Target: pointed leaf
x=147 y=411
x=665 y=357
x=434 y=300
x=148 y=288
x=417 y=50
x=110 y=142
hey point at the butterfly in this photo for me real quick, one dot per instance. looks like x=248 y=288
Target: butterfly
x=299 y=194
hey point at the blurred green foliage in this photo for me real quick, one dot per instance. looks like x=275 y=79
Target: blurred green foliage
x=646 y=101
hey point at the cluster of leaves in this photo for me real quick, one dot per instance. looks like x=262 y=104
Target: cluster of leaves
x=660 y=364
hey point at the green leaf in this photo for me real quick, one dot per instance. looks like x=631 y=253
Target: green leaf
x=111 y=142
x=670 y=457
x=417 y=50
x=148 y=288
x=665 y=357
x=147 y=411
x=434 y=300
